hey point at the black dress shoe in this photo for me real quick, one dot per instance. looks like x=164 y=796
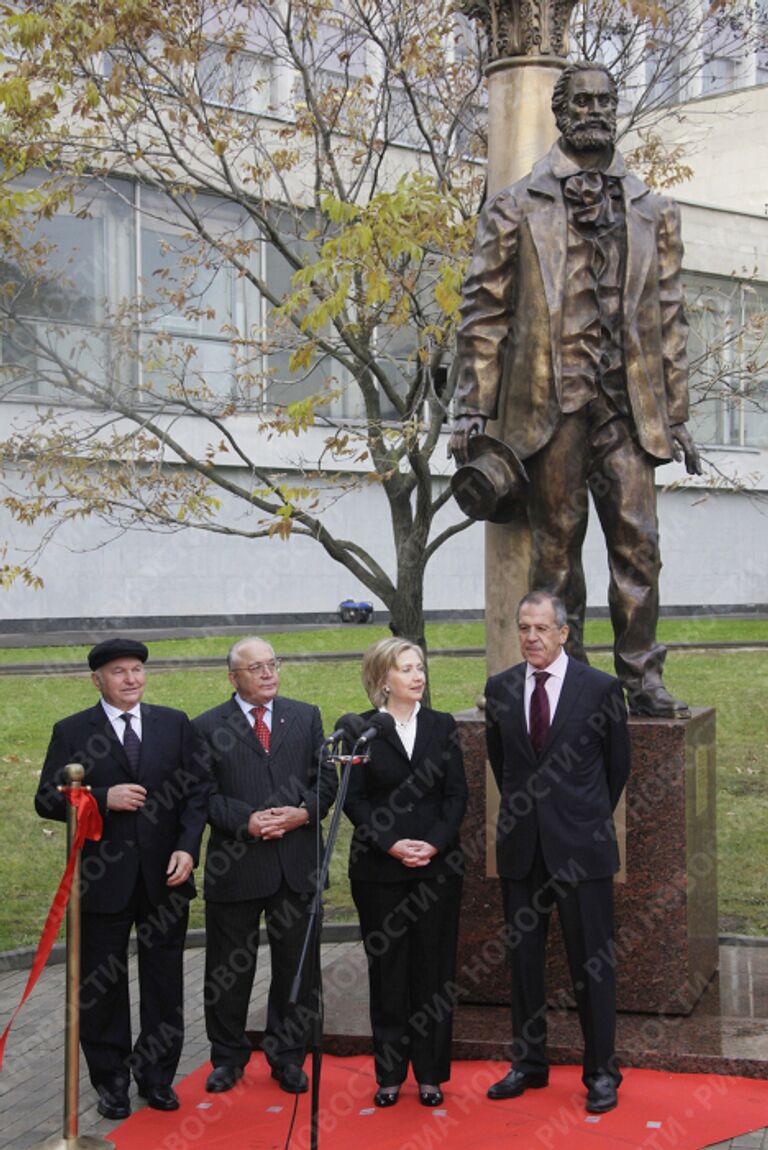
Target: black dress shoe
x=159 y=1097
x=386 y=1096
x=430 y=1096
x=113 y=1101
x=222 y=1078
x=515 y=1083
x=291 y=1078
x=601 y=1094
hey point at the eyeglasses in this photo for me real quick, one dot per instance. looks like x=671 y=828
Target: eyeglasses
x=261 y=668
x=527 y=629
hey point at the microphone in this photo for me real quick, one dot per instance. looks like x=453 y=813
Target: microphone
x=380 y=724
x=350 y=727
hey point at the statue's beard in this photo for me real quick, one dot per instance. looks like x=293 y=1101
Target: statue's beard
x=588 y=137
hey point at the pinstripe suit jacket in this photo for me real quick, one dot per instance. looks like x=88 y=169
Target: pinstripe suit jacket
x=247 y=779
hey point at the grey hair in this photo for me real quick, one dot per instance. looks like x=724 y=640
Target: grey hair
x=536 y=598
x=234 y=650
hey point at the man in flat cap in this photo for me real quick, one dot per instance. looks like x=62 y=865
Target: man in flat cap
x=145 y=771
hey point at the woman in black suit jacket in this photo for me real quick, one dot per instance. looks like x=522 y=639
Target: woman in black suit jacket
x=405 y=868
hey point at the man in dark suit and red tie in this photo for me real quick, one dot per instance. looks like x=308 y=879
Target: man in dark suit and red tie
x=262 y=859
x=145 y=770
x=558 y=745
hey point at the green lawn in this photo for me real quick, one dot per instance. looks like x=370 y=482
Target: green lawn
x=452 y=636
x=32 y=851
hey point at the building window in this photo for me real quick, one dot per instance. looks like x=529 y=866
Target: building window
x=662 y=77
x=728 y=353
x=121 y=294
x=285 y=384
x=241 y=80
x=55 y=318
x=193 y=303
x=718 y=75
x=761 y=64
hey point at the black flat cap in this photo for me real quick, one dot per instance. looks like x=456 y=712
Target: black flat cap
x=116 y=649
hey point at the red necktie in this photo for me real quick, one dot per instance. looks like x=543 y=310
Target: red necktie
x=261 y=729
x=539 y=718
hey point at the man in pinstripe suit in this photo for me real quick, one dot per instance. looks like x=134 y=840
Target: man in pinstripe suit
x=262 y=857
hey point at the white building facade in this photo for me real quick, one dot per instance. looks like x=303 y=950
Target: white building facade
x=713 y=529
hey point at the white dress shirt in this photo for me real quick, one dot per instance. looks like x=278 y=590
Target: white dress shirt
x=406 y=732
x=246 y=708
x=553 y=686
x=118 y=724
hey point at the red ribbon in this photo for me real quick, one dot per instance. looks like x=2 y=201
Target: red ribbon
x=89 y=826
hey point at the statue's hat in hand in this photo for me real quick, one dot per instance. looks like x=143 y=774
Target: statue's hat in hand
x=493 y=482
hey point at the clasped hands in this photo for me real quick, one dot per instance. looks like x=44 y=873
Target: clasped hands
x=413 y=852
x=275 y=821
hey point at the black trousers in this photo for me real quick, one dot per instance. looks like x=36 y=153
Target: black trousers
x=586 y=914
x=410 y=931
x=232 y=945
x=105 y=1012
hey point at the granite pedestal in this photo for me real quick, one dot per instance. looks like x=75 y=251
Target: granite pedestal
x=726 y=1033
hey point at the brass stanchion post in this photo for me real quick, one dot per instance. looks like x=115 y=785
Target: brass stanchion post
x=71 y=1140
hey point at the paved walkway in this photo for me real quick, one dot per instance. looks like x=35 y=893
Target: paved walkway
x=32 y=1080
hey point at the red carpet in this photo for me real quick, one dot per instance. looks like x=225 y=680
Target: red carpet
x=656 y=1111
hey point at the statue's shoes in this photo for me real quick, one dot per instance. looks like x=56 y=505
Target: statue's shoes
x=656 y=702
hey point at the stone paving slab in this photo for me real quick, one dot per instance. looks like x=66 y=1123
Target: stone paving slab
x=32 y=1080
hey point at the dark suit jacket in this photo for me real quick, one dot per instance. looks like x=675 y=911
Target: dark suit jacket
x=173 y=817
x=565 y=797
x=246 y=779
x=393 y=797
x=508 y=341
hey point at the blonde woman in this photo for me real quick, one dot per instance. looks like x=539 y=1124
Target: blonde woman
x=405 y=869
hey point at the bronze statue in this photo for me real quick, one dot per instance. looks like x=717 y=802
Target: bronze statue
x=573 y=337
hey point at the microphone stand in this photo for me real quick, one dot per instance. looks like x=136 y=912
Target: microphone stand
x=311 y=944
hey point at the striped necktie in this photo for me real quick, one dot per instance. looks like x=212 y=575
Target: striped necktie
x=539 y=718
x=131 y=744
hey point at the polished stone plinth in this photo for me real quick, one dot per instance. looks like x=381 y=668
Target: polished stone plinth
x=666 y=893
x=726 y=1033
